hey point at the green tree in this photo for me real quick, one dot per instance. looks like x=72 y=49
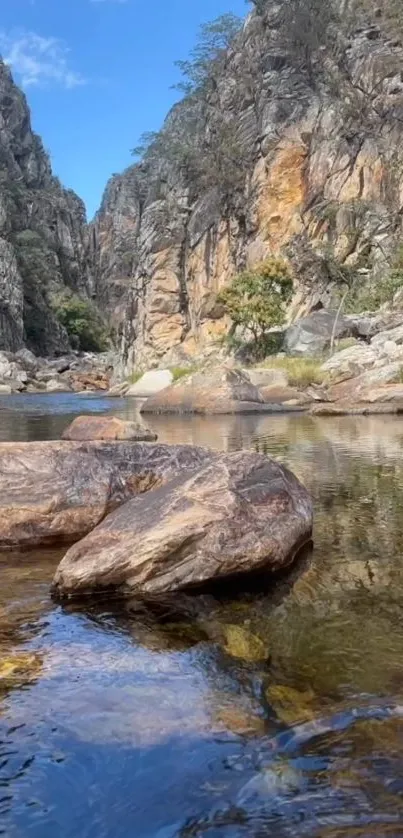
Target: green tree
x=206 y=58
x=257 y=299
x=82 y=323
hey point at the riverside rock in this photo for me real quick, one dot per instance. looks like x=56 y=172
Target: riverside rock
x=222 y=390
x=313 y=334
x=107 y=428
x=54 y=492
x=151 y=382
x=237 y=514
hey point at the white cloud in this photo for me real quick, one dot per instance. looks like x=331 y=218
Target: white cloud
x=38 y=60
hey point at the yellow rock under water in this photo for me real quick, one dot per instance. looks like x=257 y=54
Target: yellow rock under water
x=242 y=643
x=292 y=706
x=18 y=669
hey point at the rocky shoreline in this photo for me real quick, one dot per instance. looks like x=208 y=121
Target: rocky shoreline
x=24 y=372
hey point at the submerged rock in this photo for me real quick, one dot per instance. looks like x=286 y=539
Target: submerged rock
x=237 y=514
x=223 y=390
x=18 y=669
x=55 y=491
x=107 y=427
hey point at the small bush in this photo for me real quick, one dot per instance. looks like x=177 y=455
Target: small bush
x=301 y=372
x=372 y=296
x=82 y=322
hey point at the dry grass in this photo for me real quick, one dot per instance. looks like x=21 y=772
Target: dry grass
x=181 y=372
x=301 y=372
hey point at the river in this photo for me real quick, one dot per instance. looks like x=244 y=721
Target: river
x=277 y=713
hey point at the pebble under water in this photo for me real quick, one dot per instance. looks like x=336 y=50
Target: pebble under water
x=273 y=712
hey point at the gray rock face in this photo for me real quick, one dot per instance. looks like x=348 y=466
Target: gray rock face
x=237 y=514
x=322 y=178
x=312 y=334
x=43 y=237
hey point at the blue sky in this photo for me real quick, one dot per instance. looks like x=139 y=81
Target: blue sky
x=98 y=73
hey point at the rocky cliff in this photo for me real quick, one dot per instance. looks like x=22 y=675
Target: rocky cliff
x=307 y=115
x=43 y=237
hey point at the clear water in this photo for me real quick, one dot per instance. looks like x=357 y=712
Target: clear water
x=279 y=713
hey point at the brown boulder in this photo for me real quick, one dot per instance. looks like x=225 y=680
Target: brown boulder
x=220 y=391
x=108 y=428
x=240 y=513
x=58 y=491
x=88 y=381
x=280 y=395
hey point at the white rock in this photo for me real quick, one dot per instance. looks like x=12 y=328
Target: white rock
x=269 y=377
x=390 y=348
x=54 y=386
x=151 y=382
x=395 y=335
x=5 y=389
x=358 y=357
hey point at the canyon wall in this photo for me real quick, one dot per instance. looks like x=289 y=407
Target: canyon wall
x=322 y=186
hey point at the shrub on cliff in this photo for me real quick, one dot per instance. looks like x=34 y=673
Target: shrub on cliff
x=257 y=299
x=82 y=322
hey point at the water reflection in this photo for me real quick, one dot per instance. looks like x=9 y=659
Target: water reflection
x=277 y=712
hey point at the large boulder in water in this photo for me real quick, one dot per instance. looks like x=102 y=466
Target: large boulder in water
x=107 y=427
x=237 y=514
x=223 y=390
x=55 y=491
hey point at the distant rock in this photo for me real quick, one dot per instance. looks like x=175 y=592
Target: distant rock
x=150 y=383
x=351 y=361
x=267 y=377
x=56 y=386
x=119 y=389
x=239 y=513
x=282 y=395
x=222 y=390
x=108 y=428
x=313 y=334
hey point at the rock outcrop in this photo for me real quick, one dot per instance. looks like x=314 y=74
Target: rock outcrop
x=222 y=390
x=241 y=513
x=43 y=235
x=52 y=492
x=85 y=428
x=319 y=136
